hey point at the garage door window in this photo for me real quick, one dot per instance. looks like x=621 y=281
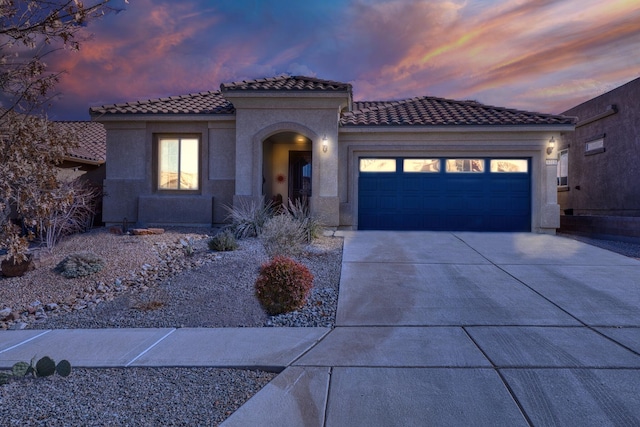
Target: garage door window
x=377 y=165
x=465 y=165
x=509 y=165
x=421 y=165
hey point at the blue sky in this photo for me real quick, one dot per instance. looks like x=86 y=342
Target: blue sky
x=537 y=55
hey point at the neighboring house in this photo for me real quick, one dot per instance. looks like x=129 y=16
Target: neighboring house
x=599 y=165
x=421 y=163
x=88 y=158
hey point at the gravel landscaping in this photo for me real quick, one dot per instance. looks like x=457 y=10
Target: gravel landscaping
x=151 y=281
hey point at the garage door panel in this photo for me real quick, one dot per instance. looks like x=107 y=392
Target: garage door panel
x=473 y=201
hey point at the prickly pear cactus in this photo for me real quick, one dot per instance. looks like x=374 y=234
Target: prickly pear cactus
x=4 y=378
x=20 y=369
x=63 y=368
x=45 y=367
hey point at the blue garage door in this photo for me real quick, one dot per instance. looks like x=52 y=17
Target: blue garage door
x=454 y=194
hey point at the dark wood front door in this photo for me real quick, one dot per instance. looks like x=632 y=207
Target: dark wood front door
x=300 y=175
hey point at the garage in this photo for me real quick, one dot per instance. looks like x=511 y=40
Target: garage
x=444 y=194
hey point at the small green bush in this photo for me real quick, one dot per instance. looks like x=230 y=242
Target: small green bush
x=282 y=235
x=283 y=285
x=223 y=241
x=80 y=264
x=248 y=217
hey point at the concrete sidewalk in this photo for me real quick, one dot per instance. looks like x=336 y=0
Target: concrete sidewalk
x=432 y=329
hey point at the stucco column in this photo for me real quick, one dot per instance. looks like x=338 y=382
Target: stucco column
x=550 y=215
x=325 y=203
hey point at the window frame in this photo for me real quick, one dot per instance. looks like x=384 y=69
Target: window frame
x=362 y=166
x=598 y=142
x=559 y=176
x=482 y=162
x=156 y=162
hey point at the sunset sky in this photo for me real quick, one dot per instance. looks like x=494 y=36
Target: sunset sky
x=537 y=55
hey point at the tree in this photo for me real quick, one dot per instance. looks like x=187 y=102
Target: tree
x=30 y=31
x=30 y=145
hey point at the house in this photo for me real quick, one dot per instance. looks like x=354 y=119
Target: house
x=88 y=158
x=598 y=188
x=421 y=163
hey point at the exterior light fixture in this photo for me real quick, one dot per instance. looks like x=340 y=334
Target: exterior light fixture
x=551 y=145
x=325 y=143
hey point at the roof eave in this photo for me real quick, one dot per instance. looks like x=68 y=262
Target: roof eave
x=83 y=161
x=174 y=117
x=252 y=93
x=456 y=128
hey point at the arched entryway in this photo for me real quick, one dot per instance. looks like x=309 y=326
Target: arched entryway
x=287 y=167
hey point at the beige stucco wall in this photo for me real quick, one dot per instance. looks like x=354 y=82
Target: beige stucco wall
x=478 y=142
x=235 y=158
x=314 y=116
x=130 y=190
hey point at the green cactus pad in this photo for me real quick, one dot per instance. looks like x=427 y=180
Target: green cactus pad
x=45 y=367
x=4 y=378
x=20 y=369
x=63 y=368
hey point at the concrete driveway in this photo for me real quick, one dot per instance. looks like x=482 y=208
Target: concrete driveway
x=437 y=329
x=486 y=329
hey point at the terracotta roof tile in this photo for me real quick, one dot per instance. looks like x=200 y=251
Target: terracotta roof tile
x=431 y=111
x=419 y=111
x=286 y=83
x=195 y=103
x=92 y=138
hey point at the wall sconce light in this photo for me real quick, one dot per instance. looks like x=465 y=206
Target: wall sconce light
x=551 y=145
x=325 y=143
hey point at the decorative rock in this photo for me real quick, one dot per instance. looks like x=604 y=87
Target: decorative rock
x=18 y=326
x=4 y=313
x=51 y=307
x=146 y=231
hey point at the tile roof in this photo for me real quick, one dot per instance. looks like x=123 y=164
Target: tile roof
x=92 y=138
x=431 y=111
x=195 y=103
x=419 y=111
x=287 y=83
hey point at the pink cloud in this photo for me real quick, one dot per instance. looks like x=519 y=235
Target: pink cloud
x=521 y=53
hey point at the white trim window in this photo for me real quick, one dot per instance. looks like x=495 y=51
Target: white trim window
x=178 y=163
x=563 y=169
x=594 y=146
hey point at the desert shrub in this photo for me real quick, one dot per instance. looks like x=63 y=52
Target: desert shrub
x=283 y=285
x=223 y=241
x=299 y=211
x=74 y=206
x=80 y=264
x=247 y=217
x=282 y=235
x=188 y=246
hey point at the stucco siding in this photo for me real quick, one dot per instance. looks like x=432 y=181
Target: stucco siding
x=127 y=152
x=178 y=210
x=131 y=185
x=120 y=200
x=604 y=183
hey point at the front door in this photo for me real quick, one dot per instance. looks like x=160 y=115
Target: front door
x=300 y=175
